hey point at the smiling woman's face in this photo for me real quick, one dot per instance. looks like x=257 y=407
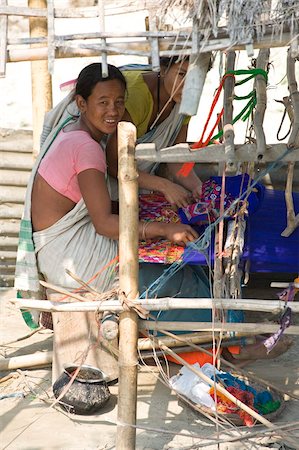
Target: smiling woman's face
x=174 y=78
x=104 y=107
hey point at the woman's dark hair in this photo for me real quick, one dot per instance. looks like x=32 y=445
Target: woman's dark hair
x=167 y=62
x=92 y=74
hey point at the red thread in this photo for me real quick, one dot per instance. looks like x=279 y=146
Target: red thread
x=187 y=167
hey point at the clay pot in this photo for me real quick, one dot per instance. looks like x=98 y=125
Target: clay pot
x=88 y=392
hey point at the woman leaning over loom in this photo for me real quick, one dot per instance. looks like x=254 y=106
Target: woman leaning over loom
x=152 y=105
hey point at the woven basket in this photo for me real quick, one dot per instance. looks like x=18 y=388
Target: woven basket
x=234 y=418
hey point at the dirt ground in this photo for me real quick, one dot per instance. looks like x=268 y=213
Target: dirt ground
x=163 y=422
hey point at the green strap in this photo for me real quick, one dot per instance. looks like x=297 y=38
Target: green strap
x=246 y=111
x=249 y=107
x=252 y=72
x=64 y=123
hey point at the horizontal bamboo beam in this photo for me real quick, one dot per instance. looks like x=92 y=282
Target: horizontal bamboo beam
x=32 y=360
x=254 y=328
x=100 y=35
x=194 y=338
x=212 y=153
x=159 y=304
x=86 y=12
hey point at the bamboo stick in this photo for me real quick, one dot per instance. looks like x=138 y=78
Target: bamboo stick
x=149 y=343
x=213 y=153
x=228 y=129
x=33 y=360
x=72 y=13
x=40 y=78
x=159 y=304
x=63 y=291
x=51 y=36
x=140 y=48
x=154 y=43
x=128 y=277
x=3 y=41
x=101 y=13
x=261 y=98
x=100 y=35
x=254 y=328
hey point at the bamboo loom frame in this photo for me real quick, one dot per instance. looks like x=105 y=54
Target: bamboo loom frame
x=158 y=43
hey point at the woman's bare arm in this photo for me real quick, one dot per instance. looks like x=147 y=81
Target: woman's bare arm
x=96 y=196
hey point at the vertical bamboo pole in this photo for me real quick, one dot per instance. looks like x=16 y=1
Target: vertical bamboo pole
x=128 y=278
x=152 y=23
x=41 y=79
x=3 y=41
x=228 y=129
x=103 y=41
x=261 y=102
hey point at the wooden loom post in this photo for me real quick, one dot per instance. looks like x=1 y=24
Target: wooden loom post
x=128 y=278
x=41 y=79
x=229 y=148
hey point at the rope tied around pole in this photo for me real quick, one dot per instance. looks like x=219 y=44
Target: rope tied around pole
x=129 y=305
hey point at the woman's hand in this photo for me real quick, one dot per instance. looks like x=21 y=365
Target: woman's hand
x=196 y=192
x=175 y=194
x=180 y=234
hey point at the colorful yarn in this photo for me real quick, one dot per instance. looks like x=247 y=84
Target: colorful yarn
x=155 y=208
x=224 y=405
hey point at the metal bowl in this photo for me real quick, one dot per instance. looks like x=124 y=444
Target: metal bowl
x=88 y=391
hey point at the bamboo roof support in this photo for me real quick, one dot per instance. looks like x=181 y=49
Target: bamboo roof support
x=141 y=48
x=261 y=99
x=228 y=129
x=103 y=41
x=3 y=41
x=152 y=23
x=128 y=280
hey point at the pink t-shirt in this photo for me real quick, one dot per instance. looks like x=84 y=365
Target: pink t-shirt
x=71 y=153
